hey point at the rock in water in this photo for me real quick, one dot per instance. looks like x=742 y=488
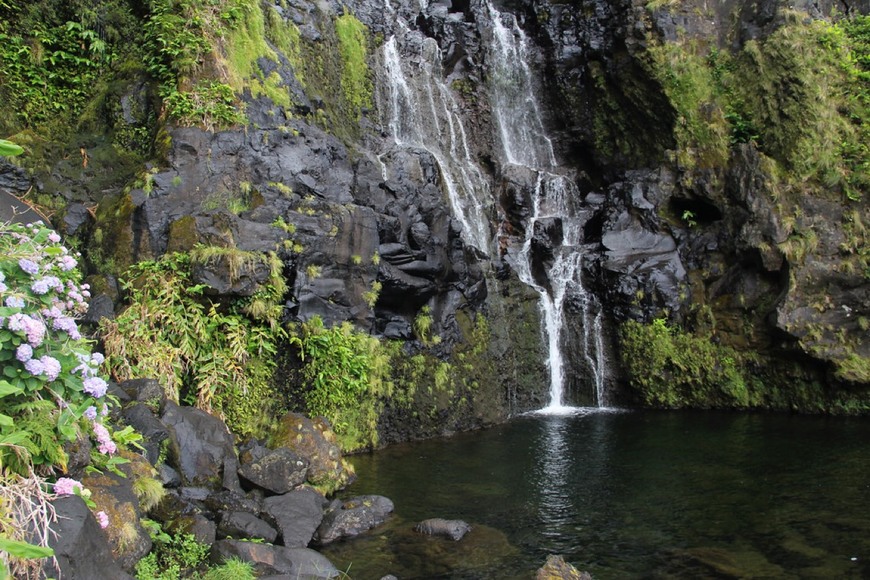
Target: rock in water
x=556 y=568
x=452 y=529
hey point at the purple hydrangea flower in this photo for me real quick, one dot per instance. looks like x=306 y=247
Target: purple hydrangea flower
x=68 y=325
x=29 y=266
x=91 y=413
x=15 y=323
x=53 y=237
x=94 y=386
x=51 y=366
x=24 y=352
x=3 y=287
x=35 y=330
x=40 y=287
x=67 y=263
x=34 y=367
x=97 y=358
x=14 y=302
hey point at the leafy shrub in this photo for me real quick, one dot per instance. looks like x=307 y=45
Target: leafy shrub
x=213 y=353
x=346 y=370
x=50 y=391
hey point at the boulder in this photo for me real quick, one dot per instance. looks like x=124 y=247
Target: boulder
x=202 y=448
x=345 y=519
x=296 y=514
x=81 y=548
x=122 y=501
x=197 y=525
x=277 y=561
x=278 y=471
x=451 y=529
x=315 y=441
x=245 y=525
x=153 y=431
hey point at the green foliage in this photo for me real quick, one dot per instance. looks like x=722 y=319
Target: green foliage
x=802 y=94
x=182 y=35
x=9 y=149
x=149 y=491
x=172 y=557
x=232 y=569
x=49 y=71
x=346 y=370
x=215 y=354
x=49 y=375
x=371 y=296
x=671 y=368
x=423 y=327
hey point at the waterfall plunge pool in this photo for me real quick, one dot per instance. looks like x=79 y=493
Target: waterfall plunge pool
x=640 y=494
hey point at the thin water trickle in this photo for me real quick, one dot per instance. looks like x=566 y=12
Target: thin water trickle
x=555 y=197
x=421 y=113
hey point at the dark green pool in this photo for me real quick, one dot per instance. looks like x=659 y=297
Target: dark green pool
x=627 y=495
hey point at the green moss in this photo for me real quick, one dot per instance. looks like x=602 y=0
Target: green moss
x=668 y=367
x=285 y=36
x=111 y=249
x=356 y=83
x=671 y=368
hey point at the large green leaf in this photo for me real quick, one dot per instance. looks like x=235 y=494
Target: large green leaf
x=23 y=549
x=7 y=388
x=10 y=149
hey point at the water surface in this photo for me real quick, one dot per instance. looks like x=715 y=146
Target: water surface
x=627 y=495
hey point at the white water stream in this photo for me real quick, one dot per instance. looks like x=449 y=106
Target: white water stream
x=555 y=197
x=422 y=113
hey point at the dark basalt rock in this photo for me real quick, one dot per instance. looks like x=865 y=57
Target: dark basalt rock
x=202 y=446
x=296 y=515
x=276 y=561
x=450 y=529
x=245 y=525
x=153 y=431
x=81 y=548
x=348 y=518
x=278 y=470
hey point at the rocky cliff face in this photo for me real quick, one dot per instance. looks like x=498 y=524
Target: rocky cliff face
x=386 y=200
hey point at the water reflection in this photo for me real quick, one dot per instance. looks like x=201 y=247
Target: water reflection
x=553 y=493
x=628 y=495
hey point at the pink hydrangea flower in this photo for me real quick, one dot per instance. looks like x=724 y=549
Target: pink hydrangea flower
x=102 y=519
x=67 y=486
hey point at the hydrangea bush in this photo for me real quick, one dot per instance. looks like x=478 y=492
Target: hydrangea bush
x=50 y=390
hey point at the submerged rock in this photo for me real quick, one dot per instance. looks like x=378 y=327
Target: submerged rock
x=451 y=529
x=556 y=568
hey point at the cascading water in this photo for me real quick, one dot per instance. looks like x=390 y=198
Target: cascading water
x=525 y=143
x=420 y=111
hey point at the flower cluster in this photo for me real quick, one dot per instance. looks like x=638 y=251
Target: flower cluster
x=41 y=348
x=69 y=486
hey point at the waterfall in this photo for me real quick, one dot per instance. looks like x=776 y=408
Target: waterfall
x=555 y=200
x=421 y=112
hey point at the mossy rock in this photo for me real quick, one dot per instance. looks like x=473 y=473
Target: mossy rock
x=314 y=440
x=115 y=495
